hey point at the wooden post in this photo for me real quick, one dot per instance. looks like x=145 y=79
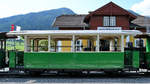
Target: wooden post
x=122 y=43
x=92 y=44
x=73 y=43
x=49 y=43
x=55 y=46
x=28 y=44
x=4 y=44
x=1 y=44
x=112 y=45
x=97 y=43
x=33 y=45
x=25 y=43
x=37 y=44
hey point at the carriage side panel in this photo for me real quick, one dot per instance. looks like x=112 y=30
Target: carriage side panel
x=136 y=59
x=71 y=60
x=12 y=59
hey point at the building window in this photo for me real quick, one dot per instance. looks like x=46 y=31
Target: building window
x=148 y=29
x=79 y=45
x=106 y=21
x=109 y=21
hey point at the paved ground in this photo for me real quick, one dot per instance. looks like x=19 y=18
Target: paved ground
x=143 y=80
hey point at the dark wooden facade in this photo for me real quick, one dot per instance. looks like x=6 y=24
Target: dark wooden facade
x=123 y=17
x=93 y=20
x=97 y=21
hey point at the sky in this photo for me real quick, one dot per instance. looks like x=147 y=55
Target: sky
x=15 y=7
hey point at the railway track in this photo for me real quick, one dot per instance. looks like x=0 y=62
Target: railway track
x=66 y=75
x=53 y=74
x=96 y=78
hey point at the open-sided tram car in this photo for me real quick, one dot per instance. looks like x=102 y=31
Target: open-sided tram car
x=125 y=59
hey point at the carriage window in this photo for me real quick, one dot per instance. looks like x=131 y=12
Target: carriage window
x=139 y=42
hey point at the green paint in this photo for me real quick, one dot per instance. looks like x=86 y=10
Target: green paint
x=132 y=58
x=148 y=45
x=136 y=59
x=2 y=57
x=148 y=59
x=12 y=57
x=148 y=52
x=77 y=60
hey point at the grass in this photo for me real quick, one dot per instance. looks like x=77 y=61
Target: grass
x=19 y=45
x=15 y=45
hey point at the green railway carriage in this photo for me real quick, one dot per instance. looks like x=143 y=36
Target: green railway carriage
x=117 y=58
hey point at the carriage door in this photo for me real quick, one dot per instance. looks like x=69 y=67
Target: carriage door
x=128 y=59
x=19 y=59
x=128 y=55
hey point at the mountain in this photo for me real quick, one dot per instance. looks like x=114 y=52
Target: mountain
x=34 y=21
x=134 y=13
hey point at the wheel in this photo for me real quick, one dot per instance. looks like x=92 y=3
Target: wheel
x=35 y=73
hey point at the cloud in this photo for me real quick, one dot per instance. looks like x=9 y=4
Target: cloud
x=142 y=7
x=6 y=11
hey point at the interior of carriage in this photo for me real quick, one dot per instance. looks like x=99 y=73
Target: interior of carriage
x=74 y=43
x=3 y=39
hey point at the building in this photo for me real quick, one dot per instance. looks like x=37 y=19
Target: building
x=108 y=17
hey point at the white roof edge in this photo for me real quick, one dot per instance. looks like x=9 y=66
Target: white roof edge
x=76 y=32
